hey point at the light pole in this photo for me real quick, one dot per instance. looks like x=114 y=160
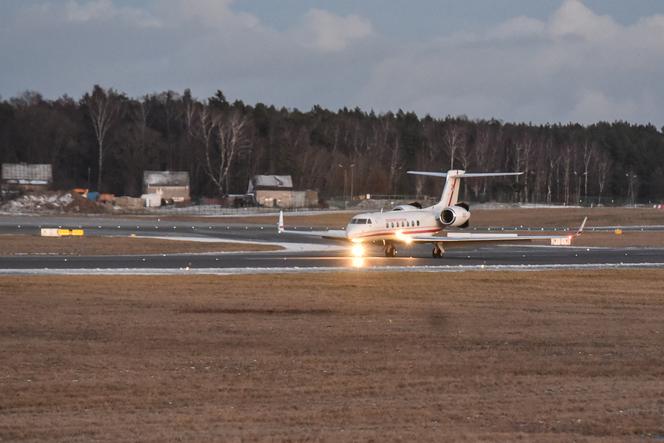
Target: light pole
x=345 y=176
x=632 y=177
x=352 y=180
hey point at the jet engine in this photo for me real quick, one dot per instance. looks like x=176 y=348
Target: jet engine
x=455 y=216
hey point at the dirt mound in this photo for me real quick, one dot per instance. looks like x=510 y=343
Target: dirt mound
x=52 y=202
x=80 y=204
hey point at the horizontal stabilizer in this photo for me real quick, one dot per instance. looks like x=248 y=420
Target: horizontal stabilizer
x=463 y=174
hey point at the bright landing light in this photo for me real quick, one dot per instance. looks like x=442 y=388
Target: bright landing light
x=403 y=237
x=357 y=250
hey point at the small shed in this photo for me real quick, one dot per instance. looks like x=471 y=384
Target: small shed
x=173 y=185
x=277 y=191
x=27 y=177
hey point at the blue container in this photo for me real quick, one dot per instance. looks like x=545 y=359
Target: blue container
x=93 y=196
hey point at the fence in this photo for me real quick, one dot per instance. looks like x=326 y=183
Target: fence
x=215 y=210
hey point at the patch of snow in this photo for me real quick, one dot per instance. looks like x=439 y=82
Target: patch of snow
x=296 y=270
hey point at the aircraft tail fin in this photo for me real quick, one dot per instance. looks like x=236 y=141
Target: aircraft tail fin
x=450 y=195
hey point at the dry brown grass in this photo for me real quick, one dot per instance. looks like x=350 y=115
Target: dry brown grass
x=627 y=239
x=541 y=356
x=609 y=239
x=33 y=245
x=571 y=217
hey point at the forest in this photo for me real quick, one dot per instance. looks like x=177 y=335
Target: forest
x=105 y=140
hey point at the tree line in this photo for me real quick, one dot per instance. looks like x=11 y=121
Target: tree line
x=105 y=140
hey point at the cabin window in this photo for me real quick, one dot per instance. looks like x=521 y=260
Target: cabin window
x=387 y=225
x=418 y=223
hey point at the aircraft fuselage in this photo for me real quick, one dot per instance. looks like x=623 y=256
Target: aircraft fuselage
x=393 y=225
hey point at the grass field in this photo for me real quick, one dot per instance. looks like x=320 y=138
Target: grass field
x=34 y=245
x=537 y=356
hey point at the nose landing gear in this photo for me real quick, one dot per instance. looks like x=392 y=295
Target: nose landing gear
x=438 y=250
x=390 y=250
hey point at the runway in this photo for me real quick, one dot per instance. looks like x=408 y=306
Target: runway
x=415 y=258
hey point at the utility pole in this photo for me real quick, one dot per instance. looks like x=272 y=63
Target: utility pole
x=352 y=180
x=632 y=181
x=345 y=180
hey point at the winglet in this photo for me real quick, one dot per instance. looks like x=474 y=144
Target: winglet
x=583 y=225
x=280 y=224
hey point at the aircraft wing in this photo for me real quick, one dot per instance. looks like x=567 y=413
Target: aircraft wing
x=336 y=234
x=463 y=239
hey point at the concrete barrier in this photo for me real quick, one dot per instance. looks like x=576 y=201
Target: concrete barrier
x=49 y=232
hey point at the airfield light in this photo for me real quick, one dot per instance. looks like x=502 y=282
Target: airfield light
x=357 y=250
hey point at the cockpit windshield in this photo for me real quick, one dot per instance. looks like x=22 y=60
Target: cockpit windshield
x=360 y=221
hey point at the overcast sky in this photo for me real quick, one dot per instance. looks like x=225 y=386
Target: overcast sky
x=516 y=60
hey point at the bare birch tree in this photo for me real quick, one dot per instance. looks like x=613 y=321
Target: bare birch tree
x=481 y=153
x=524 y=147
x=231 y=140
x=567 y=167
x=454 y=138
x=104 y=109
x=603 y=168
x=588 y=155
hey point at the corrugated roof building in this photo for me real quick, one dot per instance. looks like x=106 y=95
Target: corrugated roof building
x=172 y=185
x=269 y=182
x=277 y=191
x=25 y=176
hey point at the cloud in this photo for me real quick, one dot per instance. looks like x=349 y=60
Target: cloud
x=573 y=18
x=74 y=11
x=326 y=31
x=210 y=13
x=575 y=65
x=518 y=27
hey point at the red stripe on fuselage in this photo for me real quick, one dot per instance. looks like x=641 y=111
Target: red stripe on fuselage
x=419 y=231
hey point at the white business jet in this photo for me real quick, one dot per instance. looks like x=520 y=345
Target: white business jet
x=410 y=224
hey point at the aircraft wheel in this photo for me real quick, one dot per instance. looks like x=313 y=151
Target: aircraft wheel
x=390 y=251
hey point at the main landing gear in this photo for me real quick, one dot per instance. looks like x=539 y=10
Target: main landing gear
x=438 y=250
x=390 y=250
